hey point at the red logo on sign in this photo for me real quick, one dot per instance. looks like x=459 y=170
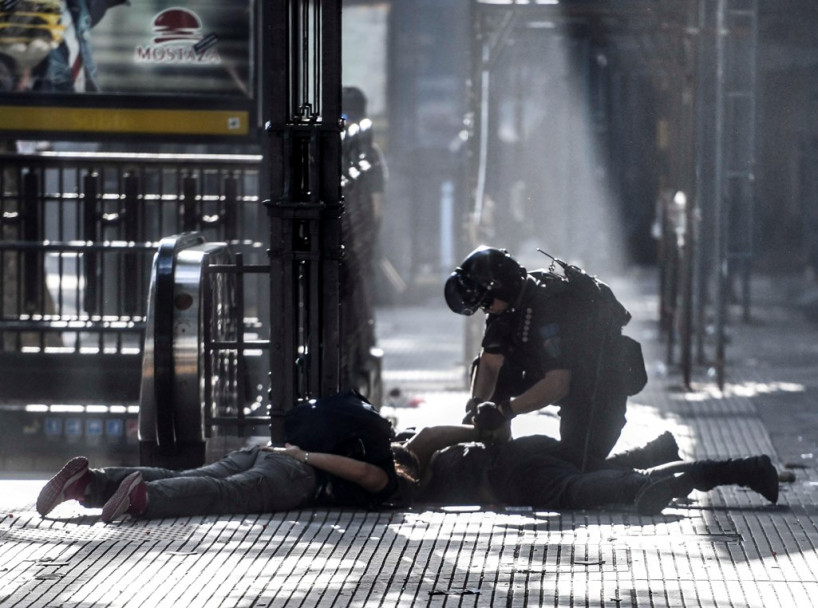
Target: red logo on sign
x=176 y=25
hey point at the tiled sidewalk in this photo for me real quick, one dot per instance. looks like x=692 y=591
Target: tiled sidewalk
x=725 y=548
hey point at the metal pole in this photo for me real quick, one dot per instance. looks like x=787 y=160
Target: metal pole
x=751 y=12
x=690 y=105
x=276 y=99
x=303 y=83
x=720 y=252
x=701 y=231
x=328 y=46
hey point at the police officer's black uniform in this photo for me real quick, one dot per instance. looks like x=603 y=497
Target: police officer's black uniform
x=548 y=329
x=546 y=326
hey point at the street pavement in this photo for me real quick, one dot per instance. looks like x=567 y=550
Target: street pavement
x=728 y=547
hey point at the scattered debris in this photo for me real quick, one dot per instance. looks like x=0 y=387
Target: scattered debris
x=396 y=398
x=455 y=591
x=589 y=562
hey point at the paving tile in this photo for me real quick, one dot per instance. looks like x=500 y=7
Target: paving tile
x=723 y=548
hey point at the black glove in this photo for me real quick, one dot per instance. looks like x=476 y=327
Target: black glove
x=471 y=409
x=491 y=416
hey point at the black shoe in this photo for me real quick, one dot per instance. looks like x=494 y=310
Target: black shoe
x=756 y=473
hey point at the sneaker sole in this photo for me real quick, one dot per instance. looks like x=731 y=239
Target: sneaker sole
x=120 y=502
x=54 y=491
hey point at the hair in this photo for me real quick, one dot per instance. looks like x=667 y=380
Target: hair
x=353 y=103
x=407 y=467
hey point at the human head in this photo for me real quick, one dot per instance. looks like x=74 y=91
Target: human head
x=486 y=273
x=353 y=103
x=458 y=475
x=407 y=468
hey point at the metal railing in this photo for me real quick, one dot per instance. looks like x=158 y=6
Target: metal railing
x=79 y=231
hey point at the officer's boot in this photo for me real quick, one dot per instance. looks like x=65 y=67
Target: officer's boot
x=659 y=451
x=756 y=473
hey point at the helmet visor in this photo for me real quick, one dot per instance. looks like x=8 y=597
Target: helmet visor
x=464 y=296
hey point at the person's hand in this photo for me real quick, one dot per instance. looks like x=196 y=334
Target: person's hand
x=289 y=449
x=489 y=417
x=471 y=409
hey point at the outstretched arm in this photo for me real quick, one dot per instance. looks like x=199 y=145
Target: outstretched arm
x=368 y=476
x=430 y=439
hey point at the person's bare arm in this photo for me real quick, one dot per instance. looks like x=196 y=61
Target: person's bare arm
x=485 y=379
x=368 y=476
x=429 y=440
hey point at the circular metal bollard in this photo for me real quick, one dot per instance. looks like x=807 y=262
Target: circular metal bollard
x=185 y=383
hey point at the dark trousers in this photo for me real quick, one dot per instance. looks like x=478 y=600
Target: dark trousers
x=590 y=425
x=249 y=480
x=530 y=471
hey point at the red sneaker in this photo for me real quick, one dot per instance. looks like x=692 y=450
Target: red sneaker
x=130 y=497
x=68 y=484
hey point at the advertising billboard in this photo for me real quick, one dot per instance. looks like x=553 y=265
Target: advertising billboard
x=77 y=68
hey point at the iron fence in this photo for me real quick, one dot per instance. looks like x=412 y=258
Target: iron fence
x=79 y=231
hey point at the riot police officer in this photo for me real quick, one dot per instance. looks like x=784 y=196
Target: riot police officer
x=540 y=347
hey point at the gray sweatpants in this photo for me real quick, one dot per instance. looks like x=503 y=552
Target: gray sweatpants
x=245 y=481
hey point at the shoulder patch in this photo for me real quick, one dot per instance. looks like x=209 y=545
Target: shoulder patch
x=550 y=336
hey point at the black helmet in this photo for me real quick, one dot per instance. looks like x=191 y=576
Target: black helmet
x=485 y=274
